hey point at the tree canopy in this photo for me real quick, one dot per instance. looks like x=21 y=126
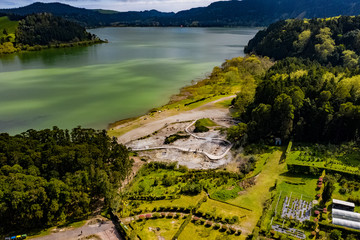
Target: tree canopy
x=49 y=177
x=333 y=40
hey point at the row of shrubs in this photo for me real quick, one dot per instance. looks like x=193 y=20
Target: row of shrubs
x=160 y=215
x=152 y=197
x=165 y=209
x=216 y=226
x=196 y=220
x=218 y=218
x=206 y=215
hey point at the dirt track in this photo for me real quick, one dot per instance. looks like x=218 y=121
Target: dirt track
x=208 y=110
x=104 y=231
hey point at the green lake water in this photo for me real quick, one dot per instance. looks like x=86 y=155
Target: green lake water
x=139 y=69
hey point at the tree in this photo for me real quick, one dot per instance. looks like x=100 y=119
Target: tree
x=350 y=58
x=326 y=44
x=302 y=41
x=237 y=134
x=284 y=114
x=335 y=235
x=351 y=237
x=328 y=189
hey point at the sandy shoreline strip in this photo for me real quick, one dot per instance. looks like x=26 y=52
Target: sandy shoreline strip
x=145 y=125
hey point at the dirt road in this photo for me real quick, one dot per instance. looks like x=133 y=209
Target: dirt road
x=148 y=126
x=105 y=231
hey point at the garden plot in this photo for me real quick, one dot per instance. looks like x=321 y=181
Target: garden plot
x=289 y=231
x=294 y=208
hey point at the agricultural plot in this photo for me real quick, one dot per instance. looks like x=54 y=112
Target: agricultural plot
x=294 y=208
x=289 y=231
x=342 y=158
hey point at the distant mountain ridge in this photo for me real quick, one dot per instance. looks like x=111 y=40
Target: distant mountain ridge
x=222 y=13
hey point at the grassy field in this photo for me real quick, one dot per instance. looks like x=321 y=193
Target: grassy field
x=206 y=122
x=156 y=228
x=224 y=210
x=193 y=231
x=255 y=196
x=10 y=27
x=298 y=184
x=225 y=103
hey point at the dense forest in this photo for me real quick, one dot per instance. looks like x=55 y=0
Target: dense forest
x=333 y=40
x=222 y=13
x=313 y=95
x=44 y=28
x=49 y=177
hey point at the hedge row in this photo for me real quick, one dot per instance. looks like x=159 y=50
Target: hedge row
x=316 y=171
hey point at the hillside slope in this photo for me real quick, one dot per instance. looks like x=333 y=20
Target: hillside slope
x=222 y=13
x=335 y=40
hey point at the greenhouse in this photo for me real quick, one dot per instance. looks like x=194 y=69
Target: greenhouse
x=346 y=223
x=347 y=215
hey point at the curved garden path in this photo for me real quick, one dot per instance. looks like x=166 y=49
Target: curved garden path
x=209 y=155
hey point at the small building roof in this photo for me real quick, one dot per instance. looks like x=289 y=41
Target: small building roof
x=340 y=202
x=346 y=223
x=347 y=215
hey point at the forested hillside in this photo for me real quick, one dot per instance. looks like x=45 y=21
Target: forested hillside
x=43 y=30
x=49 y=177
x=313 y=95
x=222 y=13
x=335 y=40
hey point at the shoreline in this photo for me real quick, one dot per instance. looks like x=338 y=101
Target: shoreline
x=133 y=128
x=37 y=48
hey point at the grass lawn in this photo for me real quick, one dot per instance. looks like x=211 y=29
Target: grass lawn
x=206 y=122
x=225 y=103
x=193 y=231
x=254 y=197
x=287 y=184
x=344 y=197
x=10 y=26
x=261 y=161
x=223 y=210
x=148 y=230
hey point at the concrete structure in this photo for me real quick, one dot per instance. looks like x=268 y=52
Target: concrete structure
x=343 y=205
